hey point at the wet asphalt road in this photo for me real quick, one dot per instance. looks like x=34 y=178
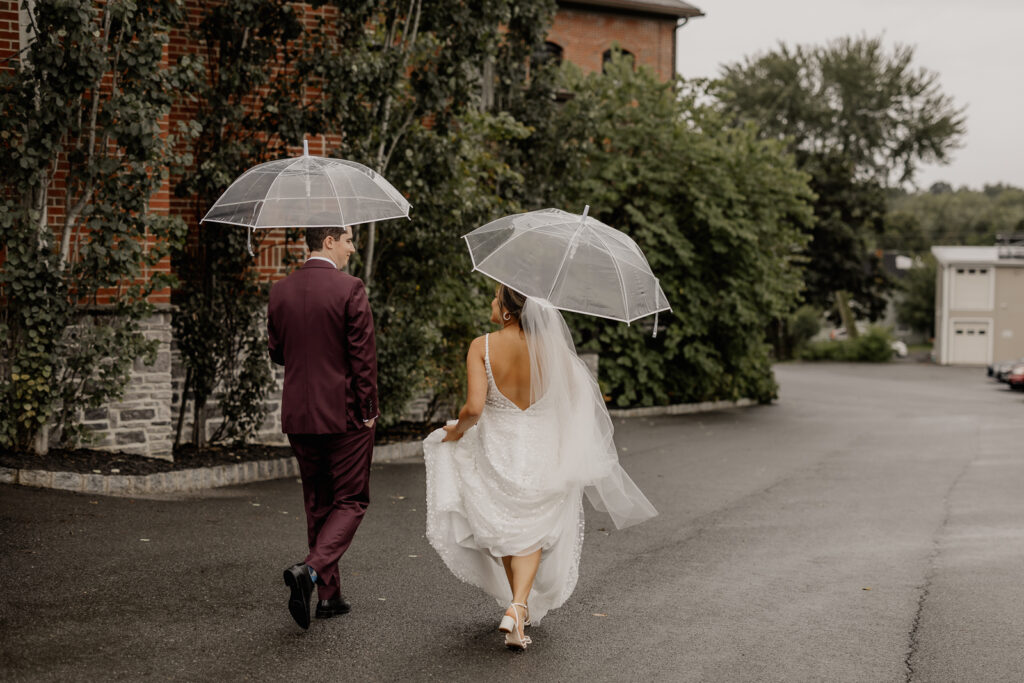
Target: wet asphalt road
x=867 y=527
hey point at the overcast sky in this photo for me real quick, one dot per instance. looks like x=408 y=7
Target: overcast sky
x=976 y=47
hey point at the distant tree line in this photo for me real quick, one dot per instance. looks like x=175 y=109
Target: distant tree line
x=942 y=215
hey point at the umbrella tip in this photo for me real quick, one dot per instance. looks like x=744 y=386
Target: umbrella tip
x=586 y=210
x=305 y=147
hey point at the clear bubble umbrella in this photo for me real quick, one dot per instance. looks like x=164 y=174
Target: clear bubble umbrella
x=574 y=261
x=307 y=192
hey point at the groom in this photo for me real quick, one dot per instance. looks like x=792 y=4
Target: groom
x=321 y=330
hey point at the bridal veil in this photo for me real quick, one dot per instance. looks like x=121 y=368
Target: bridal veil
x=586 y=456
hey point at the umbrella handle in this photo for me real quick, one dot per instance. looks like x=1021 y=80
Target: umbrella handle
x=655 y=334
x=249 y=233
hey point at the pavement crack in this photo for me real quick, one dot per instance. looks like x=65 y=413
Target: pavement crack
x=924 y=590
x=913 y=636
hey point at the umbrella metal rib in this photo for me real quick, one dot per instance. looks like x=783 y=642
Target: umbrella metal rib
x=618 y=271
x=337 y=199
x=253 y=201
x=568 y=251
x=576 y=310
x=278 y=176
x=510 y=240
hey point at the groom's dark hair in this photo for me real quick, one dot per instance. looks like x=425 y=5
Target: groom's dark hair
x=315 y=236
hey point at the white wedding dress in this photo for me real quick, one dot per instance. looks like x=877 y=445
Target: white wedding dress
x=514 y=482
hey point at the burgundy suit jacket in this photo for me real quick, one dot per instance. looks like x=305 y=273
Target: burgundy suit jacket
x=321 y=329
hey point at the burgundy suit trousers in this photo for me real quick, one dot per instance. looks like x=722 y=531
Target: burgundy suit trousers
x=335 y=470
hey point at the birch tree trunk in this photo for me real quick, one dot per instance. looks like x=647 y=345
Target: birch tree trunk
x=385 y=147
x=843 y=305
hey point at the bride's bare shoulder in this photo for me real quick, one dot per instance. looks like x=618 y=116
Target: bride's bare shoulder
x=476 y=347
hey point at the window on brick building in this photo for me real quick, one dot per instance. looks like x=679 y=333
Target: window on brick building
x=606 y=57
x=548 y=53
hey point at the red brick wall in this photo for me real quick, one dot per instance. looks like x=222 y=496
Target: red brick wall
x=270 y=245
x=9 y=45
x=56 y=198
x=8 y=28
x=584 y=35
x=270 y=256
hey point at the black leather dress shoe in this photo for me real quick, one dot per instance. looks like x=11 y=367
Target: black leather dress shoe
x=325 y=609
x=297 y=578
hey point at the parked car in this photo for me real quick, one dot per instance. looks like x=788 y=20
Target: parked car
x=1015 y=378
x=1004 y=373
x=1000 y=370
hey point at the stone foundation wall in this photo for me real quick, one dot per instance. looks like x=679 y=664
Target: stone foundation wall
x=145 y=421
x=142 y=422
x=269 y=432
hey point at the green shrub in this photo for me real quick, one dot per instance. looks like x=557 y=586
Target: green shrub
x=721 y=216
x=874 y=346
x=803 y=324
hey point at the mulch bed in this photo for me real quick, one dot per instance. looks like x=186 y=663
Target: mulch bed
x=89 y=461
x=405 y=431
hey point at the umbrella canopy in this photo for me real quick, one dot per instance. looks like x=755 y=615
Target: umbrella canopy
x=308 y=192
x=576 y=262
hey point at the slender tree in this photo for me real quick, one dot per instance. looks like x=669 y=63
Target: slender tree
x=423 y=92
x=249 y=106
x=860 y=119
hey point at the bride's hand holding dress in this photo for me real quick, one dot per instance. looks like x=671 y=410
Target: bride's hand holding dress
x=450 y=434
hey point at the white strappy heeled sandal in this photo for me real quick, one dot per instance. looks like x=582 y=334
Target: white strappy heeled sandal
x=508 y=623
x=510 y=627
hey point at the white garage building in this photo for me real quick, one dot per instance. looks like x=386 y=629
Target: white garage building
x=979 y=304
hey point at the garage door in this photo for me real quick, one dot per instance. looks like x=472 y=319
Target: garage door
x=972 y=289
x=970 y=343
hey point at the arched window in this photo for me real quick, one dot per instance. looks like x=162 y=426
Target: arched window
x=606 y=57
x=548 y=53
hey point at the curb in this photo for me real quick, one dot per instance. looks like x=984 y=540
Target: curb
x=196 y=479
x=393 y=452
x=161 y=482
x=682 y=408
x=265 y=470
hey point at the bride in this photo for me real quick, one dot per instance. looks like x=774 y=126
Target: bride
x=505 y=483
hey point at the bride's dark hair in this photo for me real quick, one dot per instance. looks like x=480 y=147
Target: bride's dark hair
x=510 y=301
